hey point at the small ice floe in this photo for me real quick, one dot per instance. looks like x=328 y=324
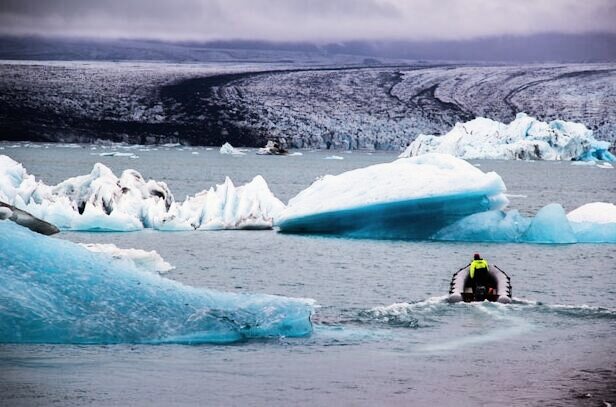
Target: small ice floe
x=589 y=163
x=195 y=153
x=230 y=150
x=118 y=154
x=273 y=148
x=516 y=196
x=143 y=260
x=334 y=157
x=605 y=165
x=295 y=154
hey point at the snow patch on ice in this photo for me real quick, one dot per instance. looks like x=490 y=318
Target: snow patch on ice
x=595 y=212
x=143 y=260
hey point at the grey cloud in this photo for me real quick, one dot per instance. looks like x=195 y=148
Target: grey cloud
x=297 y=20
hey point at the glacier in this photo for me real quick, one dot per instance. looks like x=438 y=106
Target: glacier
x=100 y=201
x=410 y=198
x=55 y=291
x=525 y=138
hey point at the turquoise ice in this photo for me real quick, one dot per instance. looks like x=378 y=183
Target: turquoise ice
x=55 y=291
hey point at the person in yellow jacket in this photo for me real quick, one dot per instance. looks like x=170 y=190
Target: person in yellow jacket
x=479 y=273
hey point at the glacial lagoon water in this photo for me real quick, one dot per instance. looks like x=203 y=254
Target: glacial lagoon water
x=383 y=334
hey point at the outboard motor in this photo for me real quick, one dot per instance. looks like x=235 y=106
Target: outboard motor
x=481 y=293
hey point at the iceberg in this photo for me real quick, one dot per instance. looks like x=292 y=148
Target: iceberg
x=591 y=223
x=410 y=198
x=100 y=201
x=525 y=138
x=594 y=222
x=144 y=260
x=230 y=150
x=55 y=291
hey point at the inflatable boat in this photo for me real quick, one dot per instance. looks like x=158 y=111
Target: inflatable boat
x=497 y=287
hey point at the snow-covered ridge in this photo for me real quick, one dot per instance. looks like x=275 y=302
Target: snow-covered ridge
x=101 y=201
x=525 y=138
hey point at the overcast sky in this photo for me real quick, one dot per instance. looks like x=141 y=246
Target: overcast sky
x=304 y=20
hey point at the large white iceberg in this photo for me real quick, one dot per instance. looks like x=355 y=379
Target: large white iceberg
x=408 y=198
x=525 y=138
x=55 y=291
x=101 y=201
x=435 y=197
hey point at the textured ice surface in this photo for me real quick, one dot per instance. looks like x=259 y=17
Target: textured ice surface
x=101 y=201
x=594 y=222
x=55 y=291
x=549 y=225
x=595 y=212
x=229 y=149
x=408 y=198
x=524 y=138
x=144 y=260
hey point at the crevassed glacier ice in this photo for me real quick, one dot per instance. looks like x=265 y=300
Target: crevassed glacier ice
x=101 y=201
x=525 y=138
x=549 y=225
x=410 y=198
x=55 y=291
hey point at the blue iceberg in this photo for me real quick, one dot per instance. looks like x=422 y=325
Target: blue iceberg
x=55 y=291
x=410 y=198
x=550 y=225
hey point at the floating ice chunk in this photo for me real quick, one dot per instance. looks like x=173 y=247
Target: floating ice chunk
x=334 y=157
x=143 y=260
x=589 y=163
x=408 y=198
x=550 y=225
x=491 y=226
x=252 y=206
x=100 y=201
x=595 y=212
x=55 y=291
x=591 y=223
x=118 y=154
x=525 y=138
x=605 y=165
x=296 y=154
x=594 y=222
x=229 y=149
